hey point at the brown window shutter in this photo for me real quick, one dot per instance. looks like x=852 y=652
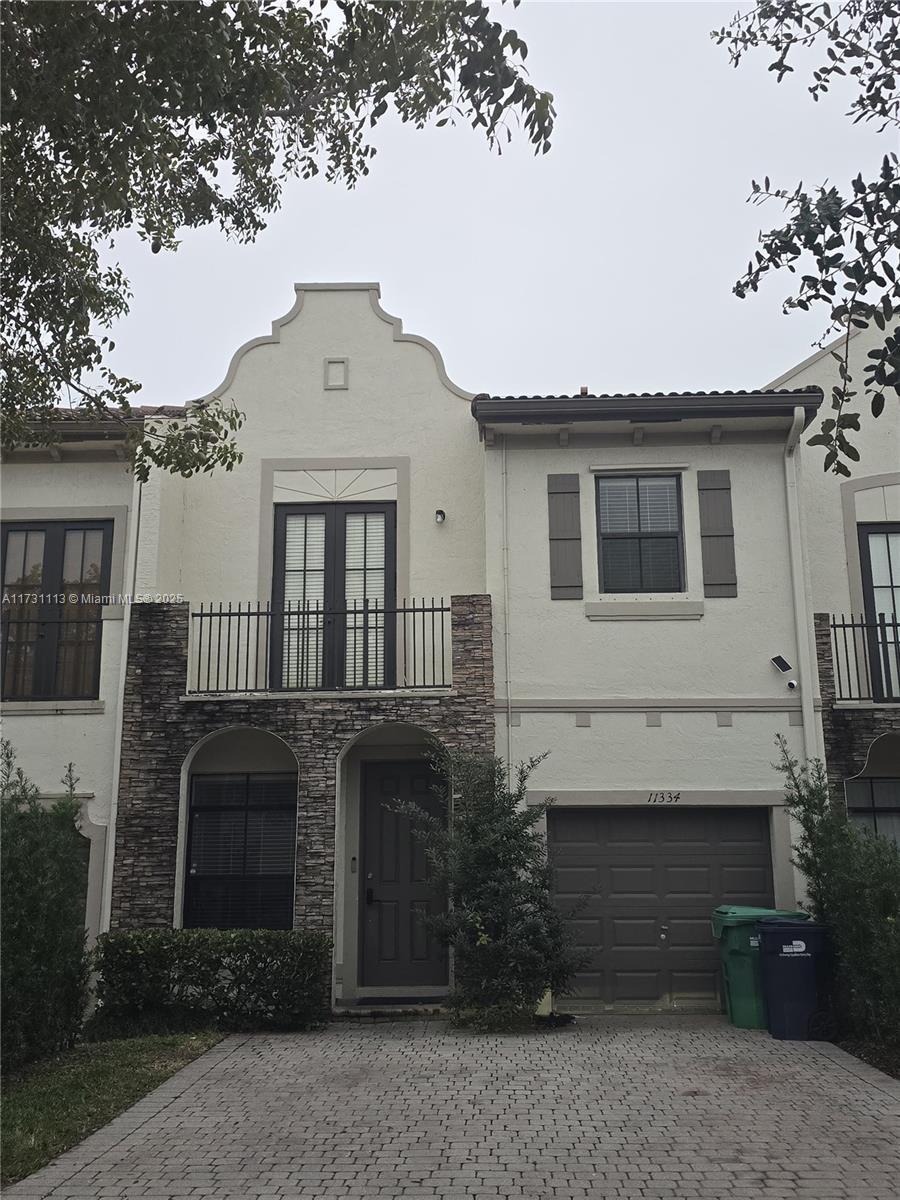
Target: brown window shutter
x=564 y=505
x=717 y=533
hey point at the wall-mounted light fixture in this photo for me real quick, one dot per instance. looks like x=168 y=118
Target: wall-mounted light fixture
x=439 y=516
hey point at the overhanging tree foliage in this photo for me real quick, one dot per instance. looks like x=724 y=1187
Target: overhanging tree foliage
x=131 y=114
x=844 y=243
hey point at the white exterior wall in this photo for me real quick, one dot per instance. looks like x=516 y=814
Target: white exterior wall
x=831 y=506
x=48 y=735
x=618 y=670
x=210 y=537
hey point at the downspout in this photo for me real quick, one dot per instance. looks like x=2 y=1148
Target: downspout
x=802 y=626
x=505 y=559
x=109 y=865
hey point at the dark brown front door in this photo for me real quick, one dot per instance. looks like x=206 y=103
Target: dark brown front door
x=398 y=949
x=641 y=884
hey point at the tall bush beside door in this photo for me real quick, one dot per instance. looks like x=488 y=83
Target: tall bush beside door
x=43 y=961
x=853 y=882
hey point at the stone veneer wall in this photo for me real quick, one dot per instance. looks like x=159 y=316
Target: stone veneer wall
x=160 y=726
x=848 y=731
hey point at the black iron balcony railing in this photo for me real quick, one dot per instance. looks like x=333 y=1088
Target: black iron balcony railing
x=305 y=647
x=866 y=659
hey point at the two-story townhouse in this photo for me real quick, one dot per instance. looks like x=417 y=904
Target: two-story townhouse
x=307 y=622
x=329 y=618
x=643 y=555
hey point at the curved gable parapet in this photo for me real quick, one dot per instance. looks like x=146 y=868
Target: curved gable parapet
x=273 y=338
x=400 y=336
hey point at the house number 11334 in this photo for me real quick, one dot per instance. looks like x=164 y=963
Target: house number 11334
x=664 y=797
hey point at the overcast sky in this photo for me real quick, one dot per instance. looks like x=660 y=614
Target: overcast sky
x=608 y=262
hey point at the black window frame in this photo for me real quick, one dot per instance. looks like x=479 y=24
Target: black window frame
x=335 y=602
x=48 y=613
x=870 y=808
x=878 y=650
x=191 y=901
x=639 y=536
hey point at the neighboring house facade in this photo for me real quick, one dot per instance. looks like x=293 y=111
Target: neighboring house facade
x=604 y=578
x=851 y=537
x=68 y=532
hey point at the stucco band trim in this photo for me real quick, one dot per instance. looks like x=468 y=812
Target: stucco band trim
x=668 y=704
x=644 y=610
x=585 y=798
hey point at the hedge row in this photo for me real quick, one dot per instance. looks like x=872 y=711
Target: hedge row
x=43 y=964
x=155 y=980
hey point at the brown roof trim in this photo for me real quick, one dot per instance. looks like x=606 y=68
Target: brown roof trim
x=661 y=406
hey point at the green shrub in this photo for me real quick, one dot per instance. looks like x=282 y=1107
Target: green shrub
x=43 y=962
x=853 y=881
x=169 y=980
x=510 y=945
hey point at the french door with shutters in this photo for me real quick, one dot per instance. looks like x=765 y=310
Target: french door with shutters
x=879 y=552
x=334 y=596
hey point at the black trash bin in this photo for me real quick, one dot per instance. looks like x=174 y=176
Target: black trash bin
x=793 y=965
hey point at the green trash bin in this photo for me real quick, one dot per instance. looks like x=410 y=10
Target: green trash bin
x=734 y=928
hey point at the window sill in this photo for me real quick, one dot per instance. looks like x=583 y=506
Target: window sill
x=44 y=708
x=644 y=610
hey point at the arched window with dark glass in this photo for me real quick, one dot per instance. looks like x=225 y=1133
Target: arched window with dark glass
x=873 y=796
x=240 y=851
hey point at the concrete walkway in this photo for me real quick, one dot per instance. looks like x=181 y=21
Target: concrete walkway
x=626 y=1108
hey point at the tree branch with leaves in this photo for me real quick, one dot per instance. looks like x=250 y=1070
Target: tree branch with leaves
x=133 y=115
x=845 y=244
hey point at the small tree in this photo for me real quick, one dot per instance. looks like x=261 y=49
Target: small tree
x=43 y=963
x=510 y=945
x=853 y=881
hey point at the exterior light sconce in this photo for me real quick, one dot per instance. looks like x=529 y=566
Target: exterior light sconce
x=439 y=516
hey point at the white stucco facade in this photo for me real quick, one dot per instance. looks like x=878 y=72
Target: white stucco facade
x=632 y=696
x=209 y=538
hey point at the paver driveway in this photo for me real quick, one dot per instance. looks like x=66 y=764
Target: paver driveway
x=627 y=1108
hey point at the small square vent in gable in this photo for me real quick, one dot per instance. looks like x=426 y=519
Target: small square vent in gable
x=337 y=374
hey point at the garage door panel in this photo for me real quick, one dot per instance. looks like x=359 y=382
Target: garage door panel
x=579 y=879
x=643 y=874
x=579 y=828
x=635 y=987
x=688 y=880
x=627 y=932
x=742 y=879
x=634 y=828
x=689 y=932
x=697 y=985
x=631 y=880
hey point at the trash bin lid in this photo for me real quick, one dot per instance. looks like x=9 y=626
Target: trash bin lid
x=729 y=915
x=792 y=922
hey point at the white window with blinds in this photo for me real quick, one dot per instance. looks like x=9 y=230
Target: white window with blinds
x=334 y=593
x=364 y=594
x=304 y=600
x=640 y=533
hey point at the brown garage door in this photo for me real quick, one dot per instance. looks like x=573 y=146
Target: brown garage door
x=643 y=884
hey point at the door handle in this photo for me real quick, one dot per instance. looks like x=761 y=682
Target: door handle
x=370 y=896
x=663 y=933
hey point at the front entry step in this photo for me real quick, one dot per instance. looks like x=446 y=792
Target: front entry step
x=363 y=1010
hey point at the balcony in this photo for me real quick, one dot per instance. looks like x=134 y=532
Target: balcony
x=364 y=647
x=865 y=658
